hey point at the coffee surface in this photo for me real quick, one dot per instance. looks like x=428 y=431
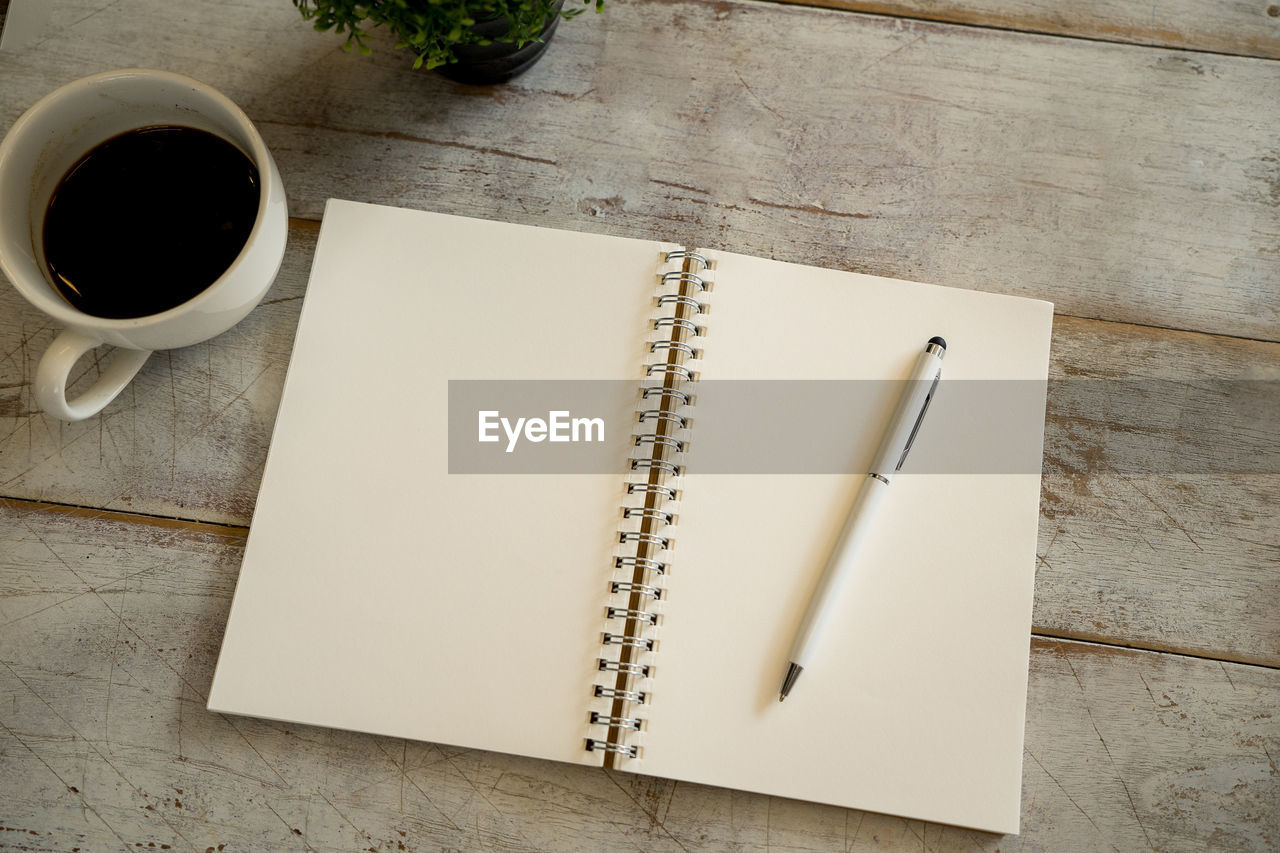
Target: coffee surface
x=148 y=219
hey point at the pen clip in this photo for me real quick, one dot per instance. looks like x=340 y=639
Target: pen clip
x=919 y=420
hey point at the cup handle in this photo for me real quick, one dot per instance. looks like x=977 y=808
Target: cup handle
x=55 y=368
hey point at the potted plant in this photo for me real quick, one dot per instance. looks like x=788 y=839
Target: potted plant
x=473 y=41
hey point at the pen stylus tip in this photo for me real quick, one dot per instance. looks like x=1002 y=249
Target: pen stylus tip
x=939 y=341
x=793 y=672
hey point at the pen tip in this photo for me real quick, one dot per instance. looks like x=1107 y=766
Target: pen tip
x=793 y=672
x=939 y=341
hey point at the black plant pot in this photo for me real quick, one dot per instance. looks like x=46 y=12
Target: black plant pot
x=498 y=61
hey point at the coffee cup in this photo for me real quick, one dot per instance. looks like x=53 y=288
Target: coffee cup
x=56 y=134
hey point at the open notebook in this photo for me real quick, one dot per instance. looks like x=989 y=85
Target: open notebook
x=639 y=613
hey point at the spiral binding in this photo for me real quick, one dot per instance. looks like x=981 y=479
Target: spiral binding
x=621 y=722
x=659 y=415
x=614 y=693
x=628 y=641
x=654 y=592
x=683 y=396
x=671 y=370
x=661 y=438
x=679 y=346
x=669 y=492
x=661 y=464
x=612 y=746
x=679 y=323
x=665 y=440
x=641 y=563
x=681 y=299
x=645 y=512
x=646 y=538
x=639 y=615
x=615 y=666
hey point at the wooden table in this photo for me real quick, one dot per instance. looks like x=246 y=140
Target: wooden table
x=1120 y=159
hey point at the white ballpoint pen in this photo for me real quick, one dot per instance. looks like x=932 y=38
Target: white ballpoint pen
x=888 y=461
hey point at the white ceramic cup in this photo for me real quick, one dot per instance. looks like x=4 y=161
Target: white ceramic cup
x=51 y=137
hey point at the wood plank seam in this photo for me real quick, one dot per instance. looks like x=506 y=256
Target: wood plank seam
x=1083 y=640
x=978 y=20
x=171 y=522
x=234 y=531
x=313 y=225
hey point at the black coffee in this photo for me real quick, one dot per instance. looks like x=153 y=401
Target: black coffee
x=148 y=219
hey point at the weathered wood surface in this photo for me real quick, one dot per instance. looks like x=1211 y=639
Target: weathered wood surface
x=1161 y=481
x=109 y=629
x=1241 y=27
x=1123 y=183
x=1185 y=559
x=1238 y=27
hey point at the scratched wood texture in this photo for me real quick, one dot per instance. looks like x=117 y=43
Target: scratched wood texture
x=1126 y=184
x=1160 y=557
x=110 y=629
x=1243 y=27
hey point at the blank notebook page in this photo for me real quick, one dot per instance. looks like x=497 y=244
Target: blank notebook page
x=913 y=703
x=378 y=592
